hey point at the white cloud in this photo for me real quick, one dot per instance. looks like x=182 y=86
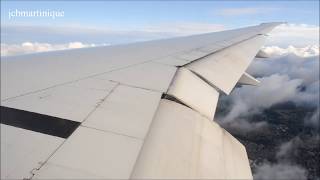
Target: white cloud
x=29 y=47
x=288 y=149
x=15 y=34
x=314 y=119
x=287 y=155
x=243 y=11
x=280 y=171
x=184 y=28
x=273 y=89
x=293 y=76
x=242 y=126
x=300 y=63
x=294 y=34
x=141 y=34
x=308 y=51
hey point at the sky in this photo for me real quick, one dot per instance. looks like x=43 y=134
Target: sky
x=134 y=14
x=295 y=45
x=114 y=22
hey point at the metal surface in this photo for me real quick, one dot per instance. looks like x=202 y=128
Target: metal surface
x=151 y=75
x=73 y=101
x=185 y=145
x=127 y=111
x=24 y=150
x=29 y=73
x=247 y=79
x=93 y=153
x=171 y=60
x=223 y=69
x=194 y=92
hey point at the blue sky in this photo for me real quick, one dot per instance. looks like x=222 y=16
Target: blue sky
x=130 y=14
x=148 y=16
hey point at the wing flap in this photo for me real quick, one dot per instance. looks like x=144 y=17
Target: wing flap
x=262 y=54
x=224 y=68
x=247 y=79
x=194 y=92
x=182 y=144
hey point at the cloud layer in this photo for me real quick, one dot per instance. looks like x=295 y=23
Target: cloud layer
x=298 y=34
x=307 y=51
x=244 y=11
x=284 y=35
x=292 y=76
x=16 y=34
x=280 y=171
x=29 y=47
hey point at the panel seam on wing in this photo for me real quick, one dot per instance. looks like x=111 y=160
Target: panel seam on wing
x=223 y=48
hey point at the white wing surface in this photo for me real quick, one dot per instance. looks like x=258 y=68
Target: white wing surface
x=143 y=110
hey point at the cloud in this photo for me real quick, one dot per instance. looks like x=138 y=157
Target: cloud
x=178 y=29
x=300 y=63
x=289 y=149
x=284 y=35
x=243 y=11
x=293 y=76
x=28 y=47
x=294 y=34
x=290 y=75
x=273 y=89
x=287 y=156
x=313 y=120
x=243 y=126
x=280 y=171
x=54 y=37
x=16 y=34
x=308 y=51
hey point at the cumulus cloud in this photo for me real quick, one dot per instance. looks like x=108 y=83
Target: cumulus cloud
x=280 y=171
x=308 y=51
x=296 y=63
x=290 y=75
x=293 y=76
x=298 y=34
x=29 y=47
x=273 y=89
x=300 y=63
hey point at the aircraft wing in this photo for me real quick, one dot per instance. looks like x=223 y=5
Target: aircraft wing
x=142 y=110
